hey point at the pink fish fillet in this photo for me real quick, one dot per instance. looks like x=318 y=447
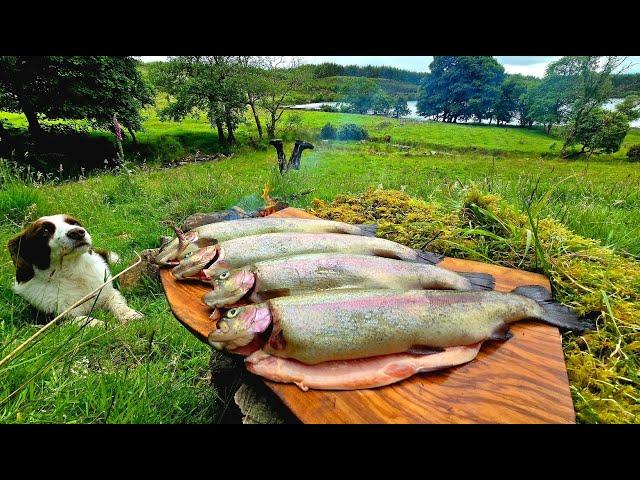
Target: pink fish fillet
x=357 y=374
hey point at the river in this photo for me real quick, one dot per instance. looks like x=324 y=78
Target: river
x=413 y=109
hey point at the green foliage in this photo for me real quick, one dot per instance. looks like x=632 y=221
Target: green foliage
x=351 y=131
x=325 y=70
x=633 y=154
x=511 y=101
x=74 y=87
x=625 y=84
x=600 y=131
x=400 y=108
x=460 y=87
x=381 y=103
x=328 y=132
x=210 y=84
x=358 y=94
x=630 y=107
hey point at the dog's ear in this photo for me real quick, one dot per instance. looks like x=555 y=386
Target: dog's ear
x=24 y=269
x=31 y=248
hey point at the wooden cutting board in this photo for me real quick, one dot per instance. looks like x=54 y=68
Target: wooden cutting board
x=522 y=380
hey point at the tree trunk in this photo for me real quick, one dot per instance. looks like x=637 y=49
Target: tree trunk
x=32 y=117
x=219 y=126
x=231 y=139
x=133 y=135
x=257 y=119
x=271 y=127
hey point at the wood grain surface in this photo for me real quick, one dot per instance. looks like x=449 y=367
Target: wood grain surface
x=522 y=380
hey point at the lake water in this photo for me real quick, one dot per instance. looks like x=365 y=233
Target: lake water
x=413 y=109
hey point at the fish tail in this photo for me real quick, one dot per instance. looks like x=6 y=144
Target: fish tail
x=368 y=229
x=480 y=281
x=428 y=257
x=555 y=314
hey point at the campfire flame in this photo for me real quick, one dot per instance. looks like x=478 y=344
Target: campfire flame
x=270 y=203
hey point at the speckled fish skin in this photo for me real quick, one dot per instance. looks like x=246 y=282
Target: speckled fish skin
x=249 y=250
x=331 y=326
x=356 y=374
x=223 y=231
x=327 y=271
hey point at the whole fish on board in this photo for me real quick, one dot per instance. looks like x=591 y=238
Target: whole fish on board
x=330 y=326
x=327 y=271
x=205 y=262
x=222 y=231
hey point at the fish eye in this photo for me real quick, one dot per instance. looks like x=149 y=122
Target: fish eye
x=224 y=275
x=233 y=313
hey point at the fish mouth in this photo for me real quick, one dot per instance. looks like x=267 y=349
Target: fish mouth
x=253 y=320
x=243 y=282
x=193 y=267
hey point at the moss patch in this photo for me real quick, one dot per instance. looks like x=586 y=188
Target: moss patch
x=592 y=279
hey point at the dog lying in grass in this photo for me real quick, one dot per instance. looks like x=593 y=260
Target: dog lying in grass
x=56 y=266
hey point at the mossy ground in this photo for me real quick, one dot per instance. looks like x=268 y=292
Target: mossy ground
x=592 y=279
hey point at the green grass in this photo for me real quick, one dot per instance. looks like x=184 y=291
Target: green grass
x=154 y=370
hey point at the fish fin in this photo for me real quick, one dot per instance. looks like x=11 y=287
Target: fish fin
x=424 y=350
x=555 y=314
x=501 y=333
x=428 y=257
x=206 y=242
x=368 y=229
x=480 y=281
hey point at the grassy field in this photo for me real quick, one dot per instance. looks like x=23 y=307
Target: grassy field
x=153 y=370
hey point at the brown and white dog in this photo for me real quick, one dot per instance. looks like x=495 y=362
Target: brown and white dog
x=56 y=266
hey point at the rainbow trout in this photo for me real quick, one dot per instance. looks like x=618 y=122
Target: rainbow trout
x=330 y=326
x=327 y=271
x=220 y=232
x=243 y=251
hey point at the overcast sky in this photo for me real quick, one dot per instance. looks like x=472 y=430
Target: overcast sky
x=525 y=65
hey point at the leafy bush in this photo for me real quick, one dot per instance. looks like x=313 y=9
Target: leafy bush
x=351 y=131
x=328 y=108
x=328 y=132
x=167 y=149
x=633 y=155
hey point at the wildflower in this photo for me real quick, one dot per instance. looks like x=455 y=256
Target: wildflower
x=117 y=128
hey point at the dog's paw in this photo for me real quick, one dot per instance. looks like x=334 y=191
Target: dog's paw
x=131 y=315
x=83 y=320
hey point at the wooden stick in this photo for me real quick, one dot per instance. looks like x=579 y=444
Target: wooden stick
x=88 y=296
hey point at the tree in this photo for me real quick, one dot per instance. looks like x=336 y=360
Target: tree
x=548 y=103
x=510 y=103
x=400 y=108
x=587 y=80
x=204 y=83
x=601 y=131
x=461 y=87
x=282 y=79
x=381 y=103
x=358 y=93
x=74 y=88
x=255 y=85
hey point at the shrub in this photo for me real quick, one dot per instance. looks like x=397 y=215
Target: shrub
x=328 y=108
x=328 y=132
x=351 y=131
x=633 y=155
x=167 y=149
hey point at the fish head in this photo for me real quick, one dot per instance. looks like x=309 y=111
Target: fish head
x=229 y=286
x=172 y=252
x=193 y=262
x=239 y=325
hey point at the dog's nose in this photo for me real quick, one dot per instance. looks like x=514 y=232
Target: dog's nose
x=76 y=233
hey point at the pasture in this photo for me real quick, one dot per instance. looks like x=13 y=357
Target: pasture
x=154 y=370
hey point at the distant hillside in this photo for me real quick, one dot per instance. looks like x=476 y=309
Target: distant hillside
x=327 y=70
x=626 y=84
x=326 y=89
